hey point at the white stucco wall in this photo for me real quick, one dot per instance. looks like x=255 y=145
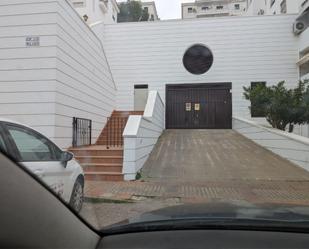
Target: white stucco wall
x=66 y=76
x=85 y=86
x=28 y=74
x=141 y=135
x=289 y=146
x=245 y=49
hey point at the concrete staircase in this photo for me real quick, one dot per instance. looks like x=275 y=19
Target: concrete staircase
x=100 y=163
x=104 y=160
x=112 y=132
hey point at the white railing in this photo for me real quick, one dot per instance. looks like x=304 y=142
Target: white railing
x=287 y=145
x=141 y=134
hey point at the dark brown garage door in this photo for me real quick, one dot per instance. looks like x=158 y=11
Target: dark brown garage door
x=199 y=106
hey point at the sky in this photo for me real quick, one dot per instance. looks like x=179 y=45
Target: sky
x=169 y=9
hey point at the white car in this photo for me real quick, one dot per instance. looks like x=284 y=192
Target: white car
x=58 y=169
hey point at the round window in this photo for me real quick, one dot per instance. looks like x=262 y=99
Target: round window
x=198 y=59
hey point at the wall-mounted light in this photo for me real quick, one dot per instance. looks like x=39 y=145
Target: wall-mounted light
x=85 y=17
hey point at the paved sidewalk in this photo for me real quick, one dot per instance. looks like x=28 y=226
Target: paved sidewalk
x=199 y=166
x=141 y=197
x=284 y=192
x=207 y=165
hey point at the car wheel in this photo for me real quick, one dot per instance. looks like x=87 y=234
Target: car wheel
x=77 y=197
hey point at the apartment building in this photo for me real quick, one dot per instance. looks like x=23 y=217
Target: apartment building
x=273 y=7
x=301 y=30
x=151 y=8
x=213 y=8
x=281 y=7
x=93 y=11
x=303 y=5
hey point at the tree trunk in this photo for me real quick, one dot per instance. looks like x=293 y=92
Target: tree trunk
x=291 y=128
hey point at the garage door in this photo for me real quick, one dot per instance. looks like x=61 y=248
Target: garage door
x=199 y=106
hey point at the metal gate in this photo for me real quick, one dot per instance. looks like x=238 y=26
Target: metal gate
x=81 y=132
x=199 y=106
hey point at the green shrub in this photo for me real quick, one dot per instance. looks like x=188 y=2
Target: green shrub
x=138 y=176
x=280 y=106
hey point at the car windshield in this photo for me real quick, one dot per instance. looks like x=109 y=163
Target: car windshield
x=139 y=113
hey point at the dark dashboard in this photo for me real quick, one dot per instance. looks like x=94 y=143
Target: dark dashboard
x=206 y=239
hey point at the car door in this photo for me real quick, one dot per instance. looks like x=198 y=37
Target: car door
x=3 y=146
x=42 y=158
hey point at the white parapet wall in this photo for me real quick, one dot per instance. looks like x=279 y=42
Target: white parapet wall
x=287 y=145
x=141 y=134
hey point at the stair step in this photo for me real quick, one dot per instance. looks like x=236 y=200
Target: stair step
x=97 y=152
x=92 y=167
x=105 y=139
x=103 y=176
x=92 y=147
x=99 y=159
x=114 y=143
x=126 y=113
x=113 y=125
x=111 y=138
x=112 y=132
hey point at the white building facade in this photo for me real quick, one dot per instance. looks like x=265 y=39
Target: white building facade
x=53 y=68
x=301 y=8
x=213 y=8
x=249 y=54
x=303 y=62
x=74 y=71
x=93 y=11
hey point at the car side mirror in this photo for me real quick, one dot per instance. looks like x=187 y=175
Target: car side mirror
x=66 y=157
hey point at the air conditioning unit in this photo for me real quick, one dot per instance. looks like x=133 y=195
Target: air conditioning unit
x=299 y=27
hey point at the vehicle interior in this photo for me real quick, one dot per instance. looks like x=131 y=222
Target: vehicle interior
x=34 y=217
x=153 y=124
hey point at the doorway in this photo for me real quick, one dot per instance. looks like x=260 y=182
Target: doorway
x=140 y=97
x=199 y=106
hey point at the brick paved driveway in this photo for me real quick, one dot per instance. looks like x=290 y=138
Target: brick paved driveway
x=210 y=155
x=192 y=166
